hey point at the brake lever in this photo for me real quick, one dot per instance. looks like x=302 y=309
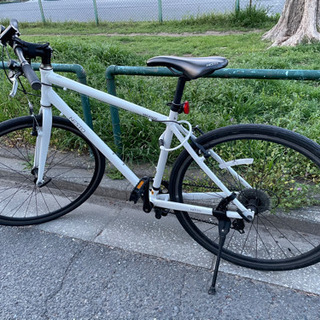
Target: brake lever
x=15 y=84
x=15 y=73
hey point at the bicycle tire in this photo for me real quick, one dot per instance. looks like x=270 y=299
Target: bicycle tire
x=74 y=169
x=284 y=180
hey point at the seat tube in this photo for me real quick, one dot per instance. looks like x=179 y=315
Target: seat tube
x=168 y=134
x=175 y=105
x=167 y=138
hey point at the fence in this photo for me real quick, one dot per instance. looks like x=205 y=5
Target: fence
x=265 y=74
x=123 y=10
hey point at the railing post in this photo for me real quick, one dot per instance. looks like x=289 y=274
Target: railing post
x=41 y=11
x=78 y=69
x=82 y=78
x=81 y=75
x=111 y=87
x=267 y=74
x=160 y=11
x=95 y=12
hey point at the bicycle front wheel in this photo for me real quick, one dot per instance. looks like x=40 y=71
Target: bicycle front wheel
x=277 y=175
x=74 y=169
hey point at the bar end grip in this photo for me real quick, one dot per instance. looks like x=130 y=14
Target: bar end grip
x=31 y=76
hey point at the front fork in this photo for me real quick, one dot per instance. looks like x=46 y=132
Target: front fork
x=42 y=145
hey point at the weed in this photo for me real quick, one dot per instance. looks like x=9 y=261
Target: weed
x=214 y=102
x=251 y=17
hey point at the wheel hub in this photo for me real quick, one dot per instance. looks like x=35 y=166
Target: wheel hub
x=255 y=199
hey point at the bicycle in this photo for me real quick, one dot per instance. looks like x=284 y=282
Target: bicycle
x=247 y=193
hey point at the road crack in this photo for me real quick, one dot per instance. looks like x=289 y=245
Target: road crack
x=64 y=277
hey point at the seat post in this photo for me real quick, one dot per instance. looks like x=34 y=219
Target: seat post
x=175 y=106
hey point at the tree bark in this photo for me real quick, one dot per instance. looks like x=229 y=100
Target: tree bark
x=298 y=23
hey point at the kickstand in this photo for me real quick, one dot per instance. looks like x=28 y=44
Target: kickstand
x=224 y=228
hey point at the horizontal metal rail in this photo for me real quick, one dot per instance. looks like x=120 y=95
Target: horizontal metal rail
x=81 y=75
x=267 y=74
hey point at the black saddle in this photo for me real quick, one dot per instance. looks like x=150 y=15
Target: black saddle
x=192 y=68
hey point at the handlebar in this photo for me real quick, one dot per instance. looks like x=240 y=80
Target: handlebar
x=25 y=51
x=27 y=70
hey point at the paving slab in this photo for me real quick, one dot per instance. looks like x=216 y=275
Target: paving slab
x=126 y=226
x=305 y=279
x=85 y=223
x=137 y=231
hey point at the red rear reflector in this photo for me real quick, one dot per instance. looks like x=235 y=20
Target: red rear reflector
x=186 y=108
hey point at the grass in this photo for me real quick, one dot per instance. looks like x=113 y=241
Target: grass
x=214 y=102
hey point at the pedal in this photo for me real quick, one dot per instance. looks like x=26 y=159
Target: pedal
x=160 y=212
x=141 y=190
x=157 y=212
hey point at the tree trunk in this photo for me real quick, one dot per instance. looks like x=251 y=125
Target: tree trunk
x=297 y=23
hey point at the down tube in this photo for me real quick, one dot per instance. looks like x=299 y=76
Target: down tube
x=103 y=96
x=92 y=136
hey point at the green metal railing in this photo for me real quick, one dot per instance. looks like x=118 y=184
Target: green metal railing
x=267 y=74
x=160 y=18
x=82 y=78
x=112 y=71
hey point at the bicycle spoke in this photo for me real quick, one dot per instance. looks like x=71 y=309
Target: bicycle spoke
x=65 y=180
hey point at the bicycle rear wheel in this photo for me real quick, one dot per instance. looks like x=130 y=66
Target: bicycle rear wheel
x=282 y=170
x=74 y=169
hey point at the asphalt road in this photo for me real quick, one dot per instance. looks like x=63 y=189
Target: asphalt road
x=109 y=260
x=122 y=10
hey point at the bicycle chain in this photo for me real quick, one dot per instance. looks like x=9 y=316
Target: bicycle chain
x=165 y=183
x=198 y=219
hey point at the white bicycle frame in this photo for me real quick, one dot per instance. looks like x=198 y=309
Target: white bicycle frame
x=49 y=97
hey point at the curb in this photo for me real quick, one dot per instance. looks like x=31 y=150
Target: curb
x=121 y=188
